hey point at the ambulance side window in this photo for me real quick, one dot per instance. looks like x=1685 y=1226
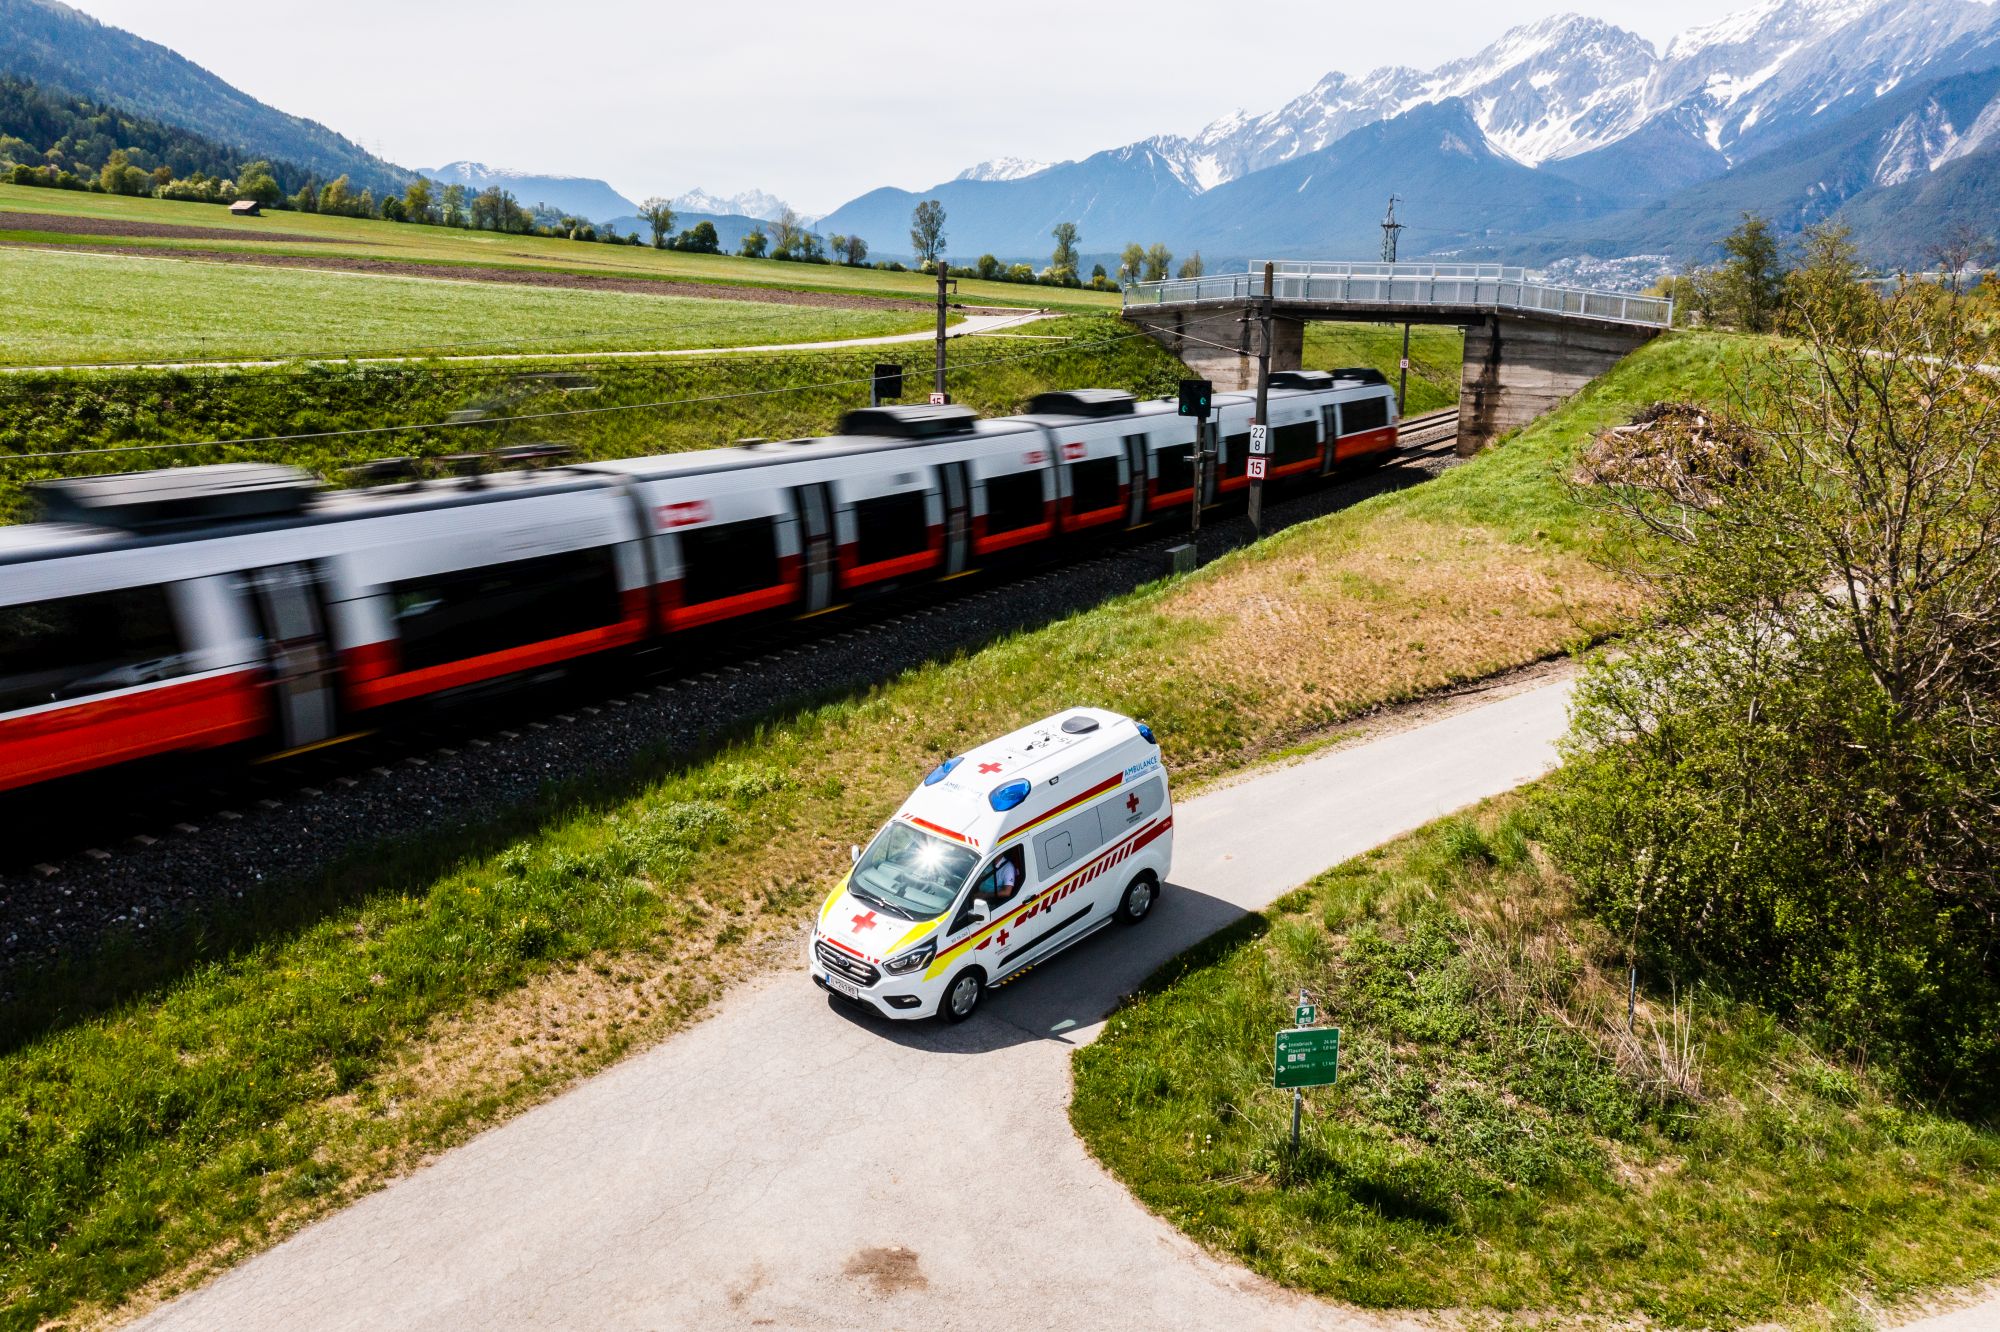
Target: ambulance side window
x=1075 y=837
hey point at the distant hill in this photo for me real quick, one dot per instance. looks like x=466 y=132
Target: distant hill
x=85 y=133
x=58 y=47
x=580 y=196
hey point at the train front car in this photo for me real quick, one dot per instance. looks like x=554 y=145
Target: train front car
x=204 y=607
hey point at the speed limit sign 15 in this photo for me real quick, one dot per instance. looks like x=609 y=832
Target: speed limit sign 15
x=1256 y=469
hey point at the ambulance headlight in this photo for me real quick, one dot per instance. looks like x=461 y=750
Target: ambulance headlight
x=1006 y=796
x=917 y=958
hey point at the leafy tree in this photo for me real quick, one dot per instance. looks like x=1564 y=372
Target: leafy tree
x=754 y=245
x=658 y=215
x=453 y=205
x=1753 y=274
x=364 y=206
x=927 y=231
x=1192 y=266
x=787 y=234
x=306 y=200
x=1787 y=780
x=1064 y=257
x=1132 y=262
x=119 y=176
x=989 y=267
x=1158 y=260
x=703 y=240
x=1097 y=272
x=854 y=251
x=418 y=204
x=255 y=181
x=1019 y=273
x=1826 y=286
x=336 y=196
x=392 y=209
x=836 y=245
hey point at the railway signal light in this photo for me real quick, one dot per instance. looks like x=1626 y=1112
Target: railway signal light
x=1195 y=396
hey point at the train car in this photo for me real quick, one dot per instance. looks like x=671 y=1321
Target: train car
x=203 y=607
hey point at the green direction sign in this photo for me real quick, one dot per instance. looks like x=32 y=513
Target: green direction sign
x=1304 y=1015
x=1307 y=1057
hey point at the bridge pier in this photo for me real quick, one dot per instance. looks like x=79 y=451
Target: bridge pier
x=1221 y=346
x=1516 y=369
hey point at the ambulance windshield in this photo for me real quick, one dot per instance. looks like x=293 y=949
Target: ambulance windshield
x=911 y=873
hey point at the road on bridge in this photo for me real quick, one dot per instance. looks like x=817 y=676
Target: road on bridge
x=789 y=1163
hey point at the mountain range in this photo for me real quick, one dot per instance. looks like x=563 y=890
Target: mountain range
x=1569 y=141
x=1566 y=136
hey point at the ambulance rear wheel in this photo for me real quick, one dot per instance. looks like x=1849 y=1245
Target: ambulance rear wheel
x=1140 y=894
x=961 y=997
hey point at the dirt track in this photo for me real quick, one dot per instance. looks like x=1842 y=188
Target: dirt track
x=63 y=224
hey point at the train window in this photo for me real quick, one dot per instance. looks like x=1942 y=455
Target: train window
x=1294 y=443
x=890 y=526
x=76 y=646
x=728 y=559
x=1093 y=485
x=1236 y=455
x=1173 y=469
x=1363 y=414
x=1014 y=500
x=448 y=617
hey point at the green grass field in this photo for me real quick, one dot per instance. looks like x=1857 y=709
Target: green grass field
x=80 y=308
x=1498 y=1140
x=167 y=1108
x=403 y=243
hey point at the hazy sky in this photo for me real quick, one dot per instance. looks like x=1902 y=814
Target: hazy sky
x=813 y=102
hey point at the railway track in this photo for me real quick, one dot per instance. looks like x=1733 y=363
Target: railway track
x=135 y=850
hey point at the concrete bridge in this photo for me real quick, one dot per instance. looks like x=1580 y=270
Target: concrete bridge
x=1528 y=345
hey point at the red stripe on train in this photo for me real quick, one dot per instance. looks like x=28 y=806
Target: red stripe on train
x=195 y=714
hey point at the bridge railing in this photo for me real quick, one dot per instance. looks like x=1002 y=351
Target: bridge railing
x=1482 y=286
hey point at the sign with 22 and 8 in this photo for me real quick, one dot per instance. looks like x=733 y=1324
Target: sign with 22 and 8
x=1307 y=1057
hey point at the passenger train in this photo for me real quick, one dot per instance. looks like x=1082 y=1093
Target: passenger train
x=242 y=605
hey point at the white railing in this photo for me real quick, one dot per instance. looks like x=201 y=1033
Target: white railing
x=1482 y=286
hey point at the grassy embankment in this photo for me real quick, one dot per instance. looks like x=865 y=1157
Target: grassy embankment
x=714 y=400
x=1498 y=1141
x=1437 y=357
x=398 y=242
x=166 y=1109
x=67 y=308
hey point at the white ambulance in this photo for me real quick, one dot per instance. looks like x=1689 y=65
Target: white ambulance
x=1004 y=856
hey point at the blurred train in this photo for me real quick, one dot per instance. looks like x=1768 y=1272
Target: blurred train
x=243 y=605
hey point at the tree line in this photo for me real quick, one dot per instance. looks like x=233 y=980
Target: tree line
x=1137 y=262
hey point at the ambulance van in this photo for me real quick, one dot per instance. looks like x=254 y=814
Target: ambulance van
x=1005 y=856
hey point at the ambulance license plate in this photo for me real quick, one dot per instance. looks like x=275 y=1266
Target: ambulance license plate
x=839 y=986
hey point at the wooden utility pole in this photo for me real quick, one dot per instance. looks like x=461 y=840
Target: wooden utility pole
x=1260 y=426
x=941 y=301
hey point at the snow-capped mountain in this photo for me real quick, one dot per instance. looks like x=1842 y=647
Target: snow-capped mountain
x=1569 y=85
x=1618 y=148
x=1003 y=168
x=750 y=203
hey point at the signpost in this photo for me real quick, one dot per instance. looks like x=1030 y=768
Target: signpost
x=1255 y=468
x=1195 y=398
x=937 y=399
x=1260 y=440
x=1306 y=1056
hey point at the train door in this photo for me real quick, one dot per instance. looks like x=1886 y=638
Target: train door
x=1136 y=478
x=292 y=616
x=816 y=546
x=1330 y=427
x=957 y=487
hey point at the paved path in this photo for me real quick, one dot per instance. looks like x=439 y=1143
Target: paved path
x=788 y=1163
x=970 y=326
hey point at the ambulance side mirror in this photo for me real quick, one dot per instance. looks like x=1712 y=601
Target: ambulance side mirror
x=853 y=854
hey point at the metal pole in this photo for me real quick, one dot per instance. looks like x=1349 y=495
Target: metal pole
x=1298 y=1103
x=1200 y=453
x=1263 y=400
x=941 y=267
x=1403 y=376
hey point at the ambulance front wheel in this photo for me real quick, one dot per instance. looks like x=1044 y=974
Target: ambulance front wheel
x=961 y=997
x=1140 y=894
